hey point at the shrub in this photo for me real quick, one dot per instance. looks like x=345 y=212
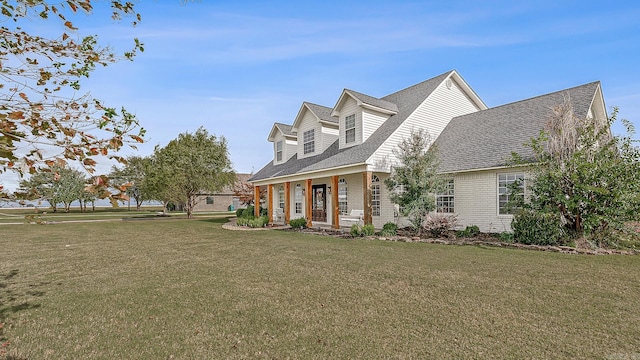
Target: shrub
x=259 y=222
x=242 y=221
x=299 y=223
x=536 y=228
x=506 y=237
x=248 y=212
x=438 y=224
x=356 y=230
x=469 y=231
x=264 y=211
x=368 y=230
x=390 y=227
x=388 y=233
x=239 y=212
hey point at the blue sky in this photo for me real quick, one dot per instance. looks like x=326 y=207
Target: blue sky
x=236 y=67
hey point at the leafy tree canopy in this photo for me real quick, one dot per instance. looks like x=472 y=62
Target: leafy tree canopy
x=415 y=179
x=45 y=118
x=191 y=165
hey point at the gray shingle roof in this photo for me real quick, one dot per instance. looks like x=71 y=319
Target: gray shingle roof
x=486 y=139
x=285 y=129
x=406 y=100
x=370 y=100
x=322 y=112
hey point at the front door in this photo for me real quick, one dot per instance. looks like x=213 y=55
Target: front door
x=319 y=203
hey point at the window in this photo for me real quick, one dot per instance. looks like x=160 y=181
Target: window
x=445 y=201
x=505 y=184
x=281 y=197
x=298 y=199
x=209 y=200
x=375 y=196
x=279 y=151
x=308 y=138
x=342 y=196
x=350 y=129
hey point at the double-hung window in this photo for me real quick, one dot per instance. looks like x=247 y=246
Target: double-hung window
x=445 y=200
x=375 y=196
x=506 y=191
x=342 y=196
x=298 y=198
x=281 y=197
x=279 y=150
x=350 y=129
x=308 y=139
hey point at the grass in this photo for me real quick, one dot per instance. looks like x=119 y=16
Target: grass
x=189 y=289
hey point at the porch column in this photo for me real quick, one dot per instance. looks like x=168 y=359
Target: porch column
x=308 y=199
x=335 y=213
x=256 y=201
x=287 y=202
x=270 y=203
x=366 y=183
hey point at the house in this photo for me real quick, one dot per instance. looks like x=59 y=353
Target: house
x=223 y=200
x=331 y=161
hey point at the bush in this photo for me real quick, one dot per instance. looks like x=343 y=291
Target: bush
x=264 y=211
x=356 y=230
x=538 y=228
x=506 y=237
x=469 y=231
x=368 y=230
x=299 y=223
x=388 y=233
x=438 y=224
x=248 y=212
x=253 y=222
x=239 y=212
x=390 y=227
x=259 y=222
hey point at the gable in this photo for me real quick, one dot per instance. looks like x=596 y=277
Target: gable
x=486 y=139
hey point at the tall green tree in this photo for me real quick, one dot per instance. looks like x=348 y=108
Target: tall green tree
x=414 y=179
x=584 y=174
x=192 y=165
x=42 y=109
x=132 y=176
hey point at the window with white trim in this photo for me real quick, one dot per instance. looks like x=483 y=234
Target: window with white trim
x=281 y=197
x=445 y=201
x=279 y=150
x=375 y=196
x=308 y=139
x=342 y=196
x=505 y=191
x=350 y=129
x=298 y=198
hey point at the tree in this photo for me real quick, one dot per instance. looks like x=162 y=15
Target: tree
x=584 y=174
x=191 y=165
x=44 y=121
x=61 y=185
x=414 y=179
x=133 y=177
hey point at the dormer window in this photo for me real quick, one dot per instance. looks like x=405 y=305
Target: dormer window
x=350 y=128
x=308 y=139
x=279 y=150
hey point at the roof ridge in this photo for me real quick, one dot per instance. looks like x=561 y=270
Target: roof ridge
x=445 y=74
x=543 y=95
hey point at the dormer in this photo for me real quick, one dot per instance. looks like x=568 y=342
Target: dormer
x=360 y=115
x=285 y=143
x=316 y=129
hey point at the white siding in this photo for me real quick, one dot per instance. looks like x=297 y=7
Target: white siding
x=371 y=121
x=329 y=136
x=350 y=107
x=476 y=201
x=432 y=115
x=309 y=121
x=289 y=148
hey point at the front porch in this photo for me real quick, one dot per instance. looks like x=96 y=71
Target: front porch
x=325 y=202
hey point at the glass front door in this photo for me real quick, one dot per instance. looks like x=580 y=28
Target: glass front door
x=319 y=203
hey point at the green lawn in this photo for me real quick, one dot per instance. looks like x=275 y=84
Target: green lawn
x=187 y=289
